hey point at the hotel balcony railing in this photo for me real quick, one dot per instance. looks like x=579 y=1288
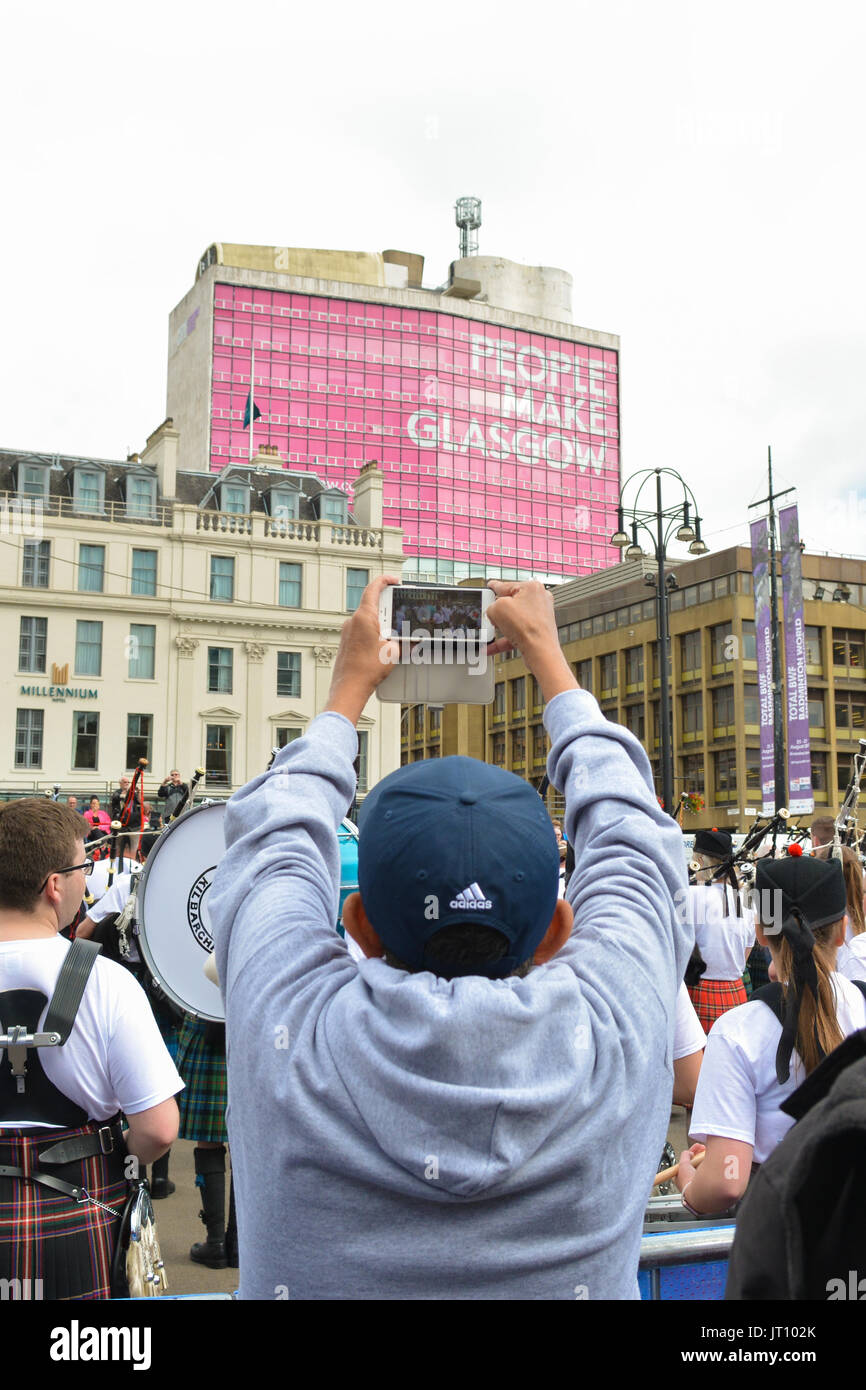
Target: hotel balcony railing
x=29 y=510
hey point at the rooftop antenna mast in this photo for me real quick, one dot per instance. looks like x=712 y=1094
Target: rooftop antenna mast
x=467 y=213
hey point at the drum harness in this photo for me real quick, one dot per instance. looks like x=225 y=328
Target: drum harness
x=45 y=1103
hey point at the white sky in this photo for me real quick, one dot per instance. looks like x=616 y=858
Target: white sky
x=697 y=169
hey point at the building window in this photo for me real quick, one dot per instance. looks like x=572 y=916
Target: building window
x=608 y=674
x=91 y=569
x=690 y=654
x=498 y=750
x=139 y=737
x=285 y=736
x=34 y=571
x=32 y=642
x=418 y=721
x=88 y=649
x=88 y=490
x=725 y=780
x=693 y=774
x=817 y=718
x=850 y=712
x=333 y=509
x=142 y=652
x=539 y=744
x=753 y=770
x=218 y=753
x=362 y=760
x=848 y=648
x=819 y=776
x=33 y=480
x=518 y=748
x=812 y=637
x=141 y=498
x=692 y=709
x=290 y=585
x=635 y=720
x=284 y=505
x=751 y=705
x=583 y=671
x=144 y=572
x=219 y=670
x=633 y=666
x=518 y=697
x=356 y=583
x=435 y=720
x=723 y=708
x=222 y=578
x=289 y=673
x=722 y=647
x=499 y=701
x=234 y=499
x=29 y=727
x=656 y=672
x=749 y=645
x=85 y=740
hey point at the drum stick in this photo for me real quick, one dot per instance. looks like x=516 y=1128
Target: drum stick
x=668 y=1173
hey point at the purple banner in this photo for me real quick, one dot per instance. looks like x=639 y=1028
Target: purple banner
x=800 y=799
x=760 y=533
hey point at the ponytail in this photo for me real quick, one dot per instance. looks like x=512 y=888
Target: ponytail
x=818 y=1031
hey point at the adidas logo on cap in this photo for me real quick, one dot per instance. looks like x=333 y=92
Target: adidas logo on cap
x=473 y=898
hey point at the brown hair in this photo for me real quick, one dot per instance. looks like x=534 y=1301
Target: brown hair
x=37 y=837
x=853 y=875
x=817 y=1022
x=825 y=826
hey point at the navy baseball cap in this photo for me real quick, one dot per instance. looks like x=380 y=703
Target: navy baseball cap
x=453 y=840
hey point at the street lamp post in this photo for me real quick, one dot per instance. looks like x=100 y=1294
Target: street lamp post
x=679 y=516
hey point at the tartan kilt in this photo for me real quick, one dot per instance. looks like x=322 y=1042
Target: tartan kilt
x=202 y=1064
x=49 y=1237
x=712 y=998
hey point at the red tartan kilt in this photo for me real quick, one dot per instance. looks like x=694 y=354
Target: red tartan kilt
x=56 y=1247
x=712 y=998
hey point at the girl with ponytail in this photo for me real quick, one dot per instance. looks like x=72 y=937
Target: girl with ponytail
x=759 y=1053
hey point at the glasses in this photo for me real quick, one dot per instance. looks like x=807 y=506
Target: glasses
x=87 y=866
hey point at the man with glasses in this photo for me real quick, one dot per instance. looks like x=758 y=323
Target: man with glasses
x=60 y=1130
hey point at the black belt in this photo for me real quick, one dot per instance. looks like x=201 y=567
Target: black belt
x=105 y=1141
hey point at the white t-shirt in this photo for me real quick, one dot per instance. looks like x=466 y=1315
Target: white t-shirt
x=115 y=900
x=689 y=1036
x=738 y=1096
x=114 y=1058
x=851 y=958
x=97 y=883
x=723 y=939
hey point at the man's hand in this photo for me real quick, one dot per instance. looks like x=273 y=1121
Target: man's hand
x=364 y=658
x=524 y=613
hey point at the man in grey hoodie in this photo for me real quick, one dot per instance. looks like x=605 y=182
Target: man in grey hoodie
x=408 y=1128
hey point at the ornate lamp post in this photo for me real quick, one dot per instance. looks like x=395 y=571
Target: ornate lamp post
x=685 y=522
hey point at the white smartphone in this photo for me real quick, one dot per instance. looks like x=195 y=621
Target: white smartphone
x=442 y=633
x=436 y=613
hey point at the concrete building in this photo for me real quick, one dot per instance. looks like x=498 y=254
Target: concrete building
x=494 y=418
x=192 y=619
x=607 y=627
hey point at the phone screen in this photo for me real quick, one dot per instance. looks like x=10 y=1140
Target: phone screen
x=421 y=613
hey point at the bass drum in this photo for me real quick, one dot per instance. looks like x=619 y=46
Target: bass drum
x=173 y=916
x=173 y=913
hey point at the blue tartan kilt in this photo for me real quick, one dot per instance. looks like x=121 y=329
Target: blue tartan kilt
x=201 y=1060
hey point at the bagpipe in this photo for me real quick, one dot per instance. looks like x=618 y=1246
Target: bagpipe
x=742 y=861
x=846 y=830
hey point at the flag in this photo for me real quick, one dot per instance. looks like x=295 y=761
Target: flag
x=257 y=414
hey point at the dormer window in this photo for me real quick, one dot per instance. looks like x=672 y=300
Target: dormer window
x=33 y=480
x=284 y=504
x=140 y=497
x=332 y=508
x=234 y=498
x=89 y=493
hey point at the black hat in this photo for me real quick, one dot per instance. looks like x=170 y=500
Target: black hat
x=812 y=896
x=718 y=843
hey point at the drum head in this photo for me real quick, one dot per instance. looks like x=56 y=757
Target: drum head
x=174 y=920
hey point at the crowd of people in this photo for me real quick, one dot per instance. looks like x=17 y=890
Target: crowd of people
x=427 y=1109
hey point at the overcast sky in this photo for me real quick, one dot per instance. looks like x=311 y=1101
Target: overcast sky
x=698 y=170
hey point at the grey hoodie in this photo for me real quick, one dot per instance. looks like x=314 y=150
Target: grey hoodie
x=401 y=1136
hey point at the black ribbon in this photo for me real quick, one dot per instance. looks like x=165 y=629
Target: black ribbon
x=805 y=976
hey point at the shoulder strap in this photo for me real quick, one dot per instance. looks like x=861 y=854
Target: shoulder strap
x=71 y=983
x=771 y=995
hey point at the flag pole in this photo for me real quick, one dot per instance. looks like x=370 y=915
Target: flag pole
x=252 y=374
